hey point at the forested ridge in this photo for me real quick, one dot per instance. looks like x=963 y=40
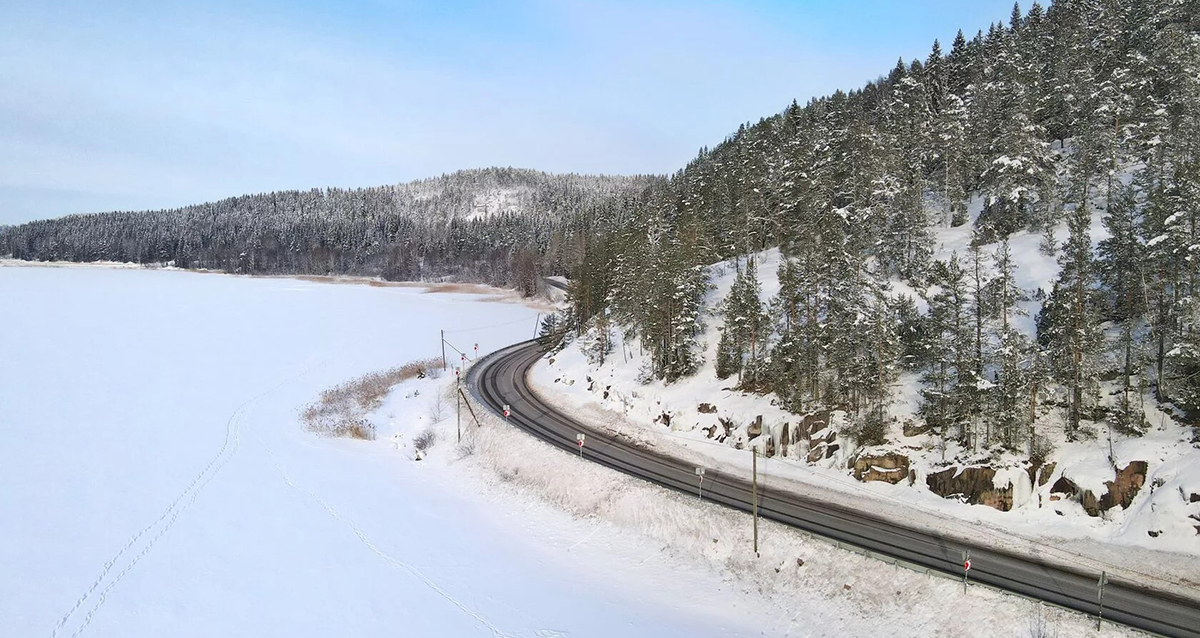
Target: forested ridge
x=1078 y=118
x=501 y=226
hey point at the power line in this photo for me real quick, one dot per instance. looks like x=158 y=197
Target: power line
x=494 y=325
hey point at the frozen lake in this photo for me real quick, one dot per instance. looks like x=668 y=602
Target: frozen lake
x=155 y=479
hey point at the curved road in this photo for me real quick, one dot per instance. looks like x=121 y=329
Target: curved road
x=500 y=379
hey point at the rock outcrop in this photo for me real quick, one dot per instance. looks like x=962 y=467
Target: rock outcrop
x=755 y=428
x=1045 y=472
x=822 y=445
x=1125 y=486
x=891 y=467
x=972 y=485
x=1119 y=491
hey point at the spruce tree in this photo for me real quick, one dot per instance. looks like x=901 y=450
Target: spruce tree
x=1069 y=323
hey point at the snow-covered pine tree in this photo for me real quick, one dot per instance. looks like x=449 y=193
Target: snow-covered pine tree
x=1012 y=356
x=747 y=328
x=1122 y=271
x=1068 y=324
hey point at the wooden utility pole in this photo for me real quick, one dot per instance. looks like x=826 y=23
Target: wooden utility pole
x=754 y=465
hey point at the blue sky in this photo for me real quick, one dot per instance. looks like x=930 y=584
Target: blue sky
x=159 y=104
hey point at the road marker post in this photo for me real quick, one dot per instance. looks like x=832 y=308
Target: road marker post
x=506 y=412
x=700 y=489
x=754 y=498
x=579 y=438
x=458 y=401
x=966 y=568
x=1100 y=598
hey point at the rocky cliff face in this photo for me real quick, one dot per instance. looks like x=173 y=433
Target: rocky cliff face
x=973 y=485
x=1120 y=491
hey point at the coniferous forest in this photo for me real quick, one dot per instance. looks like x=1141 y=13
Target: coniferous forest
x=1066 y=119
x=499 y=226
x=1062 y=115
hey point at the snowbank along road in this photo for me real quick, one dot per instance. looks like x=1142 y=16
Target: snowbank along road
x=499 y=380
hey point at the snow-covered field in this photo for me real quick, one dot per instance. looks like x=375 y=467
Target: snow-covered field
x=155 y=479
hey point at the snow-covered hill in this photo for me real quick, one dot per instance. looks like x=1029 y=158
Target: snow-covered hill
x=1154 y=479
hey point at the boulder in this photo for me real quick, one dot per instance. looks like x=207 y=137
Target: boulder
x=755 y=428
x=1125 y=487
x=891 y=467
x=912 y=428
x=706 y=408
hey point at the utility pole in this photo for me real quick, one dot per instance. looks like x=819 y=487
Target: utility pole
x=700 y=488
x=754 y=465
x=443 y=349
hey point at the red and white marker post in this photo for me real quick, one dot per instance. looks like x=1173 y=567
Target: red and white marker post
x=579 y=438
x=477 y=351
x=966 y=568
x=506 y=412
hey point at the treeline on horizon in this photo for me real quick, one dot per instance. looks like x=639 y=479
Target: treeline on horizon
x=429 y=229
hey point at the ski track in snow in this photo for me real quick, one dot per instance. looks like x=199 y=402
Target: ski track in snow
x=388 y=559
x=166 y=520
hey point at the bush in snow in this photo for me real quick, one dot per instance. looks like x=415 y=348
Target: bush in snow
x=1040 y=449
x=597 y=342
x=339 y=411
x=870 y=429
x=424 y=440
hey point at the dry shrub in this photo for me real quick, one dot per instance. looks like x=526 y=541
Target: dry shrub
x=474 y=289
x=341 y=410
x=424 y=440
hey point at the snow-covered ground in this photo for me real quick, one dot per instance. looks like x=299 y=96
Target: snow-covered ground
x=155 y=479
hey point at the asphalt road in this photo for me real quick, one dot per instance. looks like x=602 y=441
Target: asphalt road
x=500 y=379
